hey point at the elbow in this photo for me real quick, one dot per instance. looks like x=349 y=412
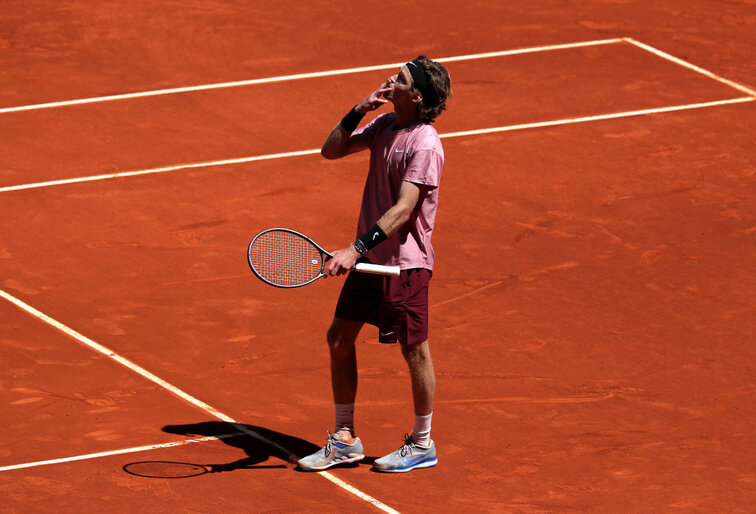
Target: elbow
x=404 y=216
x=329 y=153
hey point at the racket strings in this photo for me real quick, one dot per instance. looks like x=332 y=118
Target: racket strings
x=285 y=259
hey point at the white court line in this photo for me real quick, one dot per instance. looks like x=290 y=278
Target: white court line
x=506 y=128
x=99 y=348
x=205 y=164
x=135 y=449
x=181 y=394
x=299 y=76
x=161 y=169
x=688 y=65
x=598 y=117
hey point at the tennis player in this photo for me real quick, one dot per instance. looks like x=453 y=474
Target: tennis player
x=395 y=227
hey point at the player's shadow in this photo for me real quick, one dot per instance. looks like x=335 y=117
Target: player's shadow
x=258 y=443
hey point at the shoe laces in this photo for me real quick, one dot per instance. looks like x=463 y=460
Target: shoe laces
x=329 y=444
x=407 y=447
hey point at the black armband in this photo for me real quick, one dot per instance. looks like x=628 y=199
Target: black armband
x=370 y=239
x=351 y=120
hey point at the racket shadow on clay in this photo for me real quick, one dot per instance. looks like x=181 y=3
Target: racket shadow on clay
x=174 y=469
x=259 y=445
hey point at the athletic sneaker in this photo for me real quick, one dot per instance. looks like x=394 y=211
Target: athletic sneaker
x=333 y=453
x=408 y=457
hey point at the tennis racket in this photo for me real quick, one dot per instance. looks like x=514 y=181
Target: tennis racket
x=285 y=258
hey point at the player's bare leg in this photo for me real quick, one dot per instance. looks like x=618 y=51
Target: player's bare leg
x=423 y=376
x=418 y=450
x=341 y=337
x=342 y=447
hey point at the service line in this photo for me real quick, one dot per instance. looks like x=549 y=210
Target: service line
x=476 y=132
x=599 y=117
x=161 y=169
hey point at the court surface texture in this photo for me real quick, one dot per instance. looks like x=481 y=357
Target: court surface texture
x=592 y=305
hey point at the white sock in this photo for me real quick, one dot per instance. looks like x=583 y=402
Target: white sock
x=421 y=433
x=344 y=417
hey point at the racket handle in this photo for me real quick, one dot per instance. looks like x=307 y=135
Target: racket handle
x=365 y=267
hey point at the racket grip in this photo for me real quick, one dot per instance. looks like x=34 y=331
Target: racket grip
x=375 y=269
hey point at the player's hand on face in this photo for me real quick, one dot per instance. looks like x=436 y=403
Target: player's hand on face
x=375 y=99
x=342 y=261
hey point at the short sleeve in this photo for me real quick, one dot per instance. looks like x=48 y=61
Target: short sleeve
x=424 y=167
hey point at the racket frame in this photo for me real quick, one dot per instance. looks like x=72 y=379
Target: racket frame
x=325 y=255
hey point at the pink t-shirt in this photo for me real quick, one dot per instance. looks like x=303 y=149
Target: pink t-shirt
x=412 y=154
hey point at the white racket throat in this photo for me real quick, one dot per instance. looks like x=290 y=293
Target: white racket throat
x=376 y=269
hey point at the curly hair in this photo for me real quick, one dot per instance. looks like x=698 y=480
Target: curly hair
x=439 y=80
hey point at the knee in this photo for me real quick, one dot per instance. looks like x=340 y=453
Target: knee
x=332 y=336
x=416 y=354
x=339 y=341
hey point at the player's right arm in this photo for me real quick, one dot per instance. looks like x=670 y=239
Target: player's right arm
x=341 y=142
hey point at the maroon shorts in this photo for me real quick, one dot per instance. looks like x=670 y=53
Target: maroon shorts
x=398 y=306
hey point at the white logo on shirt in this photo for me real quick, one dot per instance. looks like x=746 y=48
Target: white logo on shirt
x=399 y=151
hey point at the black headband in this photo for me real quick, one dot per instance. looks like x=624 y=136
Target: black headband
x=421 y=82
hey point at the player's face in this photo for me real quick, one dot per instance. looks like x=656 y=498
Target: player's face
x=400 y=85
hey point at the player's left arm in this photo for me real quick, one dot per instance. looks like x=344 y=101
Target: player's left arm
x=391 y=221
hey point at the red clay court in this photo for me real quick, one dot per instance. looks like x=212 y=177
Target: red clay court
x=592 y=307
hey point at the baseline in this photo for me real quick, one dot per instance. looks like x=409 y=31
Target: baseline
x=299 y=76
